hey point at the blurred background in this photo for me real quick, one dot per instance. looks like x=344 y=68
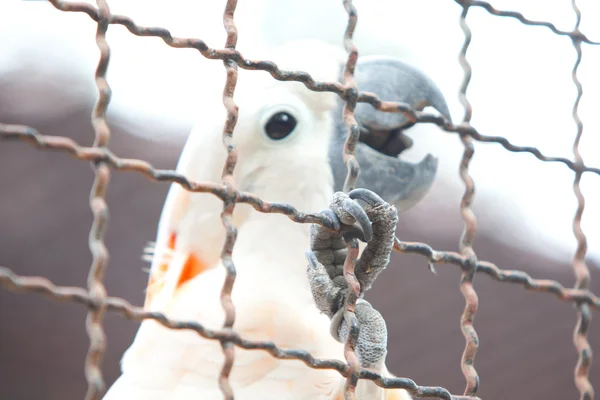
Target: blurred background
x=521 y=89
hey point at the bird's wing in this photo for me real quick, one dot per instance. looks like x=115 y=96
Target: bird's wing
x=189 y=234
x=170 y=266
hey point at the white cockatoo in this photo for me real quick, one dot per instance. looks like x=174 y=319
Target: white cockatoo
x=289 y=142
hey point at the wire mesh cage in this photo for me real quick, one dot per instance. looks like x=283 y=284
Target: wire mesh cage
x=105 y=161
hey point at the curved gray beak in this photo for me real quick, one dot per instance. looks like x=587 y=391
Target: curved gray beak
x=382 y=141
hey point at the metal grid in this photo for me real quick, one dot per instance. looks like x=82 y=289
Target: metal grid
x=104 y=160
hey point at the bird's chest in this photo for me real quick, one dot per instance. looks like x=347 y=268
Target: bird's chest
x=264 y=312
x=290 y=328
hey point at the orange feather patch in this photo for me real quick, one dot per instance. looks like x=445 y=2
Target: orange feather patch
x=193 y=266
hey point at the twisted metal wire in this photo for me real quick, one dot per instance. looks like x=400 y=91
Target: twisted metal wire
x=351 y=90
x=40 y=285
x=470 y=226
x=58 y=143
x=305 y=78
x=581 y=270
x=103 y=159
x=230 y=200
x=575 y=34
x=96 y=289
x=583 y=296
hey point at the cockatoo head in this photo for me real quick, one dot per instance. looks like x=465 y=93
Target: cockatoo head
x=284 y=130
x=290 y=139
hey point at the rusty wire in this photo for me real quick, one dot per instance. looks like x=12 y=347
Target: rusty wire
x=230 y=200
x=305 y=78
x=575 y=34
x=470 y=227
x=353 y=170
x=102 y=159
x=77 y=295
x=96 y=289
x=581 y=270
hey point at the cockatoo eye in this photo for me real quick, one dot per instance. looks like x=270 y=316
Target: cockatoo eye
x=280 y=125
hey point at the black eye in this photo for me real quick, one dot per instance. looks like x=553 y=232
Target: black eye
x=280 y=125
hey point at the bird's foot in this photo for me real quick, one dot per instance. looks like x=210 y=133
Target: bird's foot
x=374 y=224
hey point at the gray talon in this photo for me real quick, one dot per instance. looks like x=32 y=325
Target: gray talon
x=350 y=212
x=367 y=196
x=335 y=328
x=334 y=219
x=374 y=224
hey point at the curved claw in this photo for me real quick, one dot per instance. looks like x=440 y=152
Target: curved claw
x=336 y=325
x=367 y=196
x=335 y=222
x=349 y=211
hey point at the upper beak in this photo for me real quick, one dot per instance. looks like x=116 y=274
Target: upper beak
x=380 y=146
